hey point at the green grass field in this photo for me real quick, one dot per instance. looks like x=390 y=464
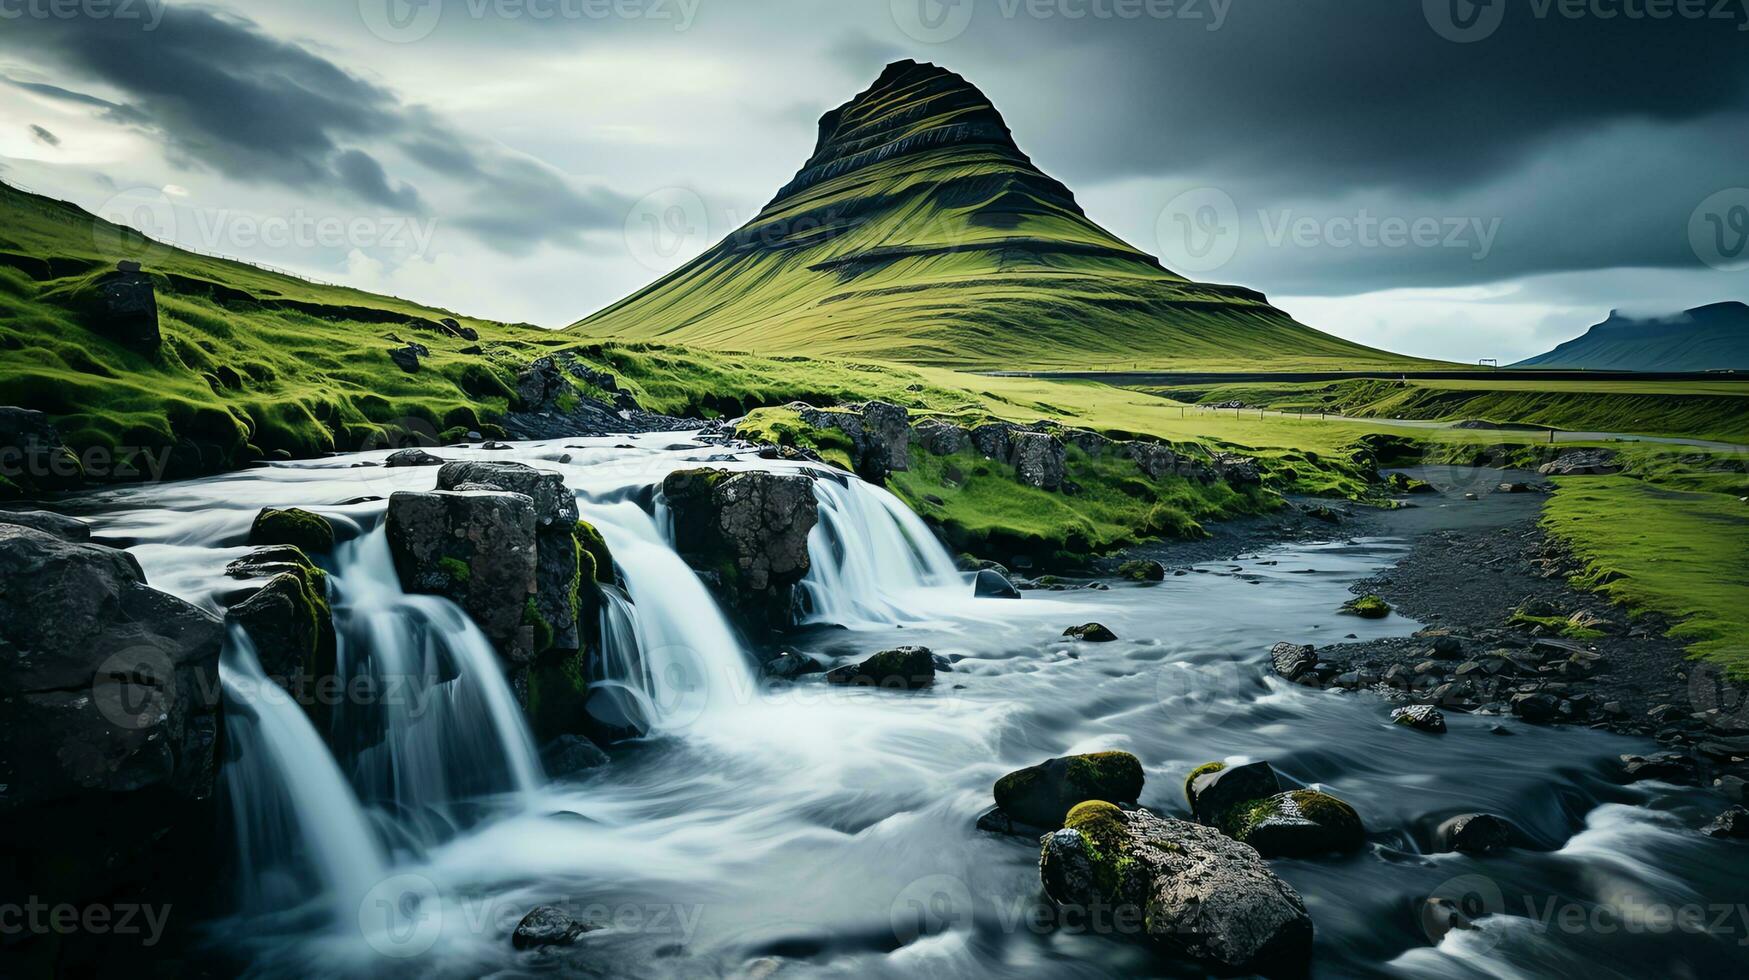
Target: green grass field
x=1702 y=410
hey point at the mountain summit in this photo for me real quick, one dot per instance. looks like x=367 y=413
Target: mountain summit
x=918 y=231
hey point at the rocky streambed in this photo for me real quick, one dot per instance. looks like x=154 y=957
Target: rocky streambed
x=797 y=797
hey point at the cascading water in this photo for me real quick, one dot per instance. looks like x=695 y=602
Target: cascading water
x=300 y=830
x=872 y=560
x=439 y=723
x=687 y=659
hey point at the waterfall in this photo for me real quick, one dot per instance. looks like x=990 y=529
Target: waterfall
x=688 y=663
x=439 y=723
x=872 y=560
x=299 y=827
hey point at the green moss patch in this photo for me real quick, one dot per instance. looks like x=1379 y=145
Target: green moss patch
x=296 y=527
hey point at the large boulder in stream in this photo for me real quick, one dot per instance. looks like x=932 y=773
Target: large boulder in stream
x=109 y=701
x=902 y=669
x=1298 y=823
x=477 y=548
x=1042 y=795
x=1201 y=894
x=559 y=599
x=310 y=533
x=747 y=532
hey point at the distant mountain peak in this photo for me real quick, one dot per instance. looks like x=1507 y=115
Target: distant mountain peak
x=912 y=107
x=1713 y=337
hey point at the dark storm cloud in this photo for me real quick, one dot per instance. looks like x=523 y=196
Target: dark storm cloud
x=42 y=135
x=223 y=95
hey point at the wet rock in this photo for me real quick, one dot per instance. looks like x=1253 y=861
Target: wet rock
x=546 y=925
x=1292 y=660
x=1039 y=460
x=1733 y=824
x=993 y=439
x=1201 y=894
x=1299 y=823
x=1474 y=833
x=1142 y=570
x=991 y=584
x=1423 y=717
x=1043 y=794
x=1668 y=767
x=1440 y=915
x=751 y=529
x=1535 y=707
x=108 y=722
x=1217 y=792
x=1367 y=607
x=33 y=459
x=1322 y=513
x=1583 y=462
x=476 y=548
x=557 y=569
x=289 y=621
x=901 y=669
x=1090 y=632
x=65 y=528
x=570 y=754
x=1158 y=462
x=879 y=433
x=412 y=457
x=789 y=666
x=998 y=821
x=310 y=533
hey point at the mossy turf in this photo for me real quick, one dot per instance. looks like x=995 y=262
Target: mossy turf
x=310 y=533
x=1367 y=607
x=1705 y=410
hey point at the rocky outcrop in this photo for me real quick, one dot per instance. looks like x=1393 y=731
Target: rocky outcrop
x=903 y=669
x=1157 y=462
x=747 y=533
x=1238 y=470
x=108 y=719
x=1142 y=570
x=413 y=456
x=546 y=925
x=1200 y=894
x=559 y=599
x=941 y=438
x=879 y=434
x=310 y=533
x=1043 y=795
x=33 y=459
x=288 y=619
x=1039 y=460
x=1583 y=462
x=48 y=522
x=476 y=548
x=406 y=357
x=123 y=306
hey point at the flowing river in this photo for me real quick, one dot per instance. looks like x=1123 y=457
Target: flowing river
x=810 y=830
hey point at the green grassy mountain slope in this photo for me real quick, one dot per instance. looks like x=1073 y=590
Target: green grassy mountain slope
x=919 y=232
x=1706 y=338
x=250 y=361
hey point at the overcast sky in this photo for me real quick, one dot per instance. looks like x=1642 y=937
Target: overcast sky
x=1435 y=177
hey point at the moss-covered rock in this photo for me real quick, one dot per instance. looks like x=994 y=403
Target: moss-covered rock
x=1367 y=607
x=1091 y=632
x=1217 y=791
x=289 y=620
x=1142 y=570
x=477 y=549
x=294 y=526
x=1043 y=795
x=1299 y=823
x=558 y=694
x=903 y=669
x=591 y=543
x=748 y=531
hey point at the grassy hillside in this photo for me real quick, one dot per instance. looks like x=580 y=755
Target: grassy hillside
x=1701 y=410
x=918 y=232
x=251 y=361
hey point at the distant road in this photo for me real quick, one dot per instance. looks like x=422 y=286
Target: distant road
x=1165 y=378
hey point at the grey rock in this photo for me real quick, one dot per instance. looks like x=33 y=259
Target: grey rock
x=992 y=584
x=48 y=522
x=752 y=529
x=1214 y=796
x=546 y=925
x=476 y=548
x=1039 y=459
x=1475 y=833
x=1292 y=659
x=1423 y=717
